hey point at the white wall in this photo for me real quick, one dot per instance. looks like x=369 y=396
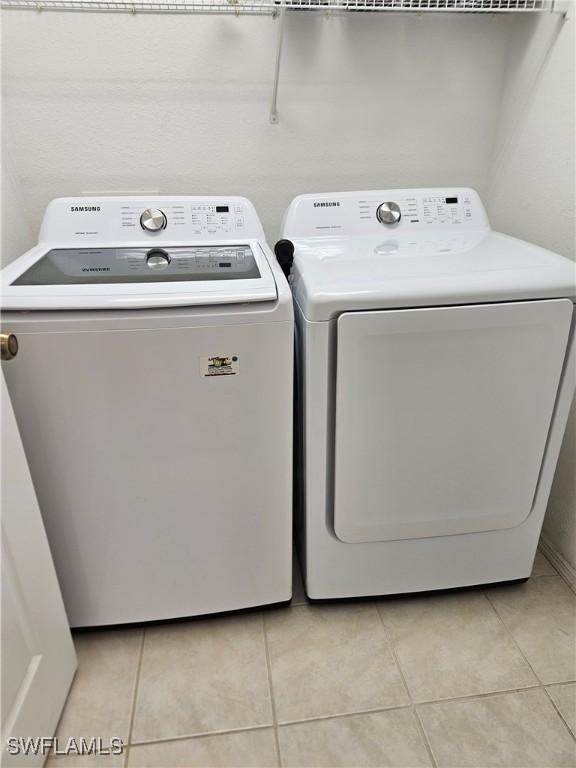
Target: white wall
x=16 y=231
x=532 y=195
x=179 y=104
x=531 y=185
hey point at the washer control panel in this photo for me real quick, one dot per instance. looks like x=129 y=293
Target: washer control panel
x=202 y=218
x=150 y=220
x=409 y=211
x=211 y=218
x=79 y=266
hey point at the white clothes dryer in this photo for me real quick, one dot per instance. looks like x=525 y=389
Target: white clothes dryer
x=153 y=389
x=435 y=371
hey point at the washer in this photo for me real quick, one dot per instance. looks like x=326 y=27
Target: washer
x=153 y=390
x=435 y=373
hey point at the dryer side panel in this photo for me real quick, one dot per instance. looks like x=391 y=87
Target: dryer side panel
x=442 y=416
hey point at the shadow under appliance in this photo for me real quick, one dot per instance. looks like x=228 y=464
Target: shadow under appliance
x=152 y=387
x=435 y=371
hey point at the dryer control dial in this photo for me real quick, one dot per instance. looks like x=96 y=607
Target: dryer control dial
x=389 y=213
x=153 y=220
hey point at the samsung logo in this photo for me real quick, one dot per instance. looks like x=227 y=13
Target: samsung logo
x=327 y=204
x=95 y=269
x=84 y=208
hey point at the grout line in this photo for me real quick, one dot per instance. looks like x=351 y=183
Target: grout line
x=271 y=689
x=428 y=745
x=423 y=703
x=560 y=715
x=135 y=695
x=413 y=705
x=419 y=723
x=201 y=735
x=475 y=696
x=562 y=682
x=394 y=655
x=341 y=715
x=547 y=576
x=542 y=684
x=558 y=563
x=556 y=572
x=509 y=633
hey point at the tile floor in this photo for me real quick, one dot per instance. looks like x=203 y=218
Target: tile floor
x=479 y=678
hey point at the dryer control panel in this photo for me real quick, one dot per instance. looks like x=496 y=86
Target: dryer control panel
x=410 y=211
x=150 y=220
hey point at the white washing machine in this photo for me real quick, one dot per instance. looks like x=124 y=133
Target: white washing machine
x=436 y=370
x=153 y=390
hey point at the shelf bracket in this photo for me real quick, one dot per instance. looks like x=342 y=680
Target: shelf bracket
x=274 y=105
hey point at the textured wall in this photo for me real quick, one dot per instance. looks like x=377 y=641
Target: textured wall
x=179 y=104
x=532 y=194
x=17 y=232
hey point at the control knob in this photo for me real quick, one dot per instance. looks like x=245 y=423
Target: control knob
x=389 y=213
x=157 y=259
x=153 y=220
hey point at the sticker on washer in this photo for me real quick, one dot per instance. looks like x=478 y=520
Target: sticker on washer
x=220 y=365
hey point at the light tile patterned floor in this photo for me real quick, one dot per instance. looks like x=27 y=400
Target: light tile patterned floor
x=479 y=678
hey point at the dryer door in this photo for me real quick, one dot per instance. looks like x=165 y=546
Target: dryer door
x=442 y=416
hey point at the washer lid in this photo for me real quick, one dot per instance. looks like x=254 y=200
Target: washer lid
x=98 y=277
x=336 y=274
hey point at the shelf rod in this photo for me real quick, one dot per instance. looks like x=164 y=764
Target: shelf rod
x=277 y=8
x=274 y=106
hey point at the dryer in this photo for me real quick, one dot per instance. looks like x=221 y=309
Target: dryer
x=153 y=389
x=435 y=371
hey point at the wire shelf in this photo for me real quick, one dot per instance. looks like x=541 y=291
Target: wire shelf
x=271 y=7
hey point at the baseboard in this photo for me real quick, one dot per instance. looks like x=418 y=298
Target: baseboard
x=567 y=571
